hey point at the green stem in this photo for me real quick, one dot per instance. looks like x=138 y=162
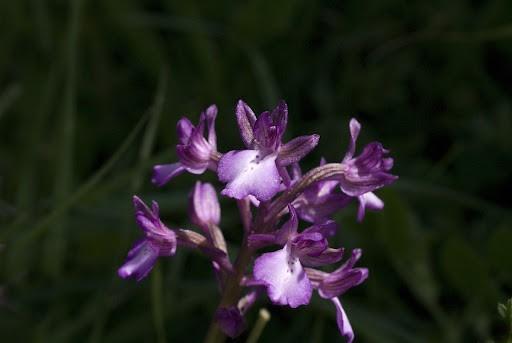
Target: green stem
x=263 y=318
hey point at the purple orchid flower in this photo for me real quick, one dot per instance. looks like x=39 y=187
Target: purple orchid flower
x=332 y=285
x=196 y=153
x=365 y=173
x=159 y=240
x=368 y=171
x=282 y=271
x=255 y=175
x=258 y=171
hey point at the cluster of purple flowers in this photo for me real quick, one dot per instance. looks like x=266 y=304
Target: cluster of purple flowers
x=273 y=195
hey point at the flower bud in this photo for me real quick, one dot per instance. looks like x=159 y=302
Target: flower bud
x=204 y=209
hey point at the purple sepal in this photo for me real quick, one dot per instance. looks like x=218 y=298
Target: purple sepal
x=368 y=171
x=230 y=321
x=204 y=208
x=140 y=260
x=163 y=173
x=344 y=326
x=159 y=241
x=246 y=118
x=270 y=126
x=296 y=149
x=328 y=256
x=155 y=231
x=368 y=201
x=343 y=278
x=195 y=151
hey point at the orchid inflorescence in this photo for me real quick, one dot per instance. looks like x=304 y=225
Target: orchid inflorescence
x=266 y=181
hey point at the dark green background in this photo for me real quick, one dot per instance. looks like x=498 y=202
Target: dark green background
x=432 y=80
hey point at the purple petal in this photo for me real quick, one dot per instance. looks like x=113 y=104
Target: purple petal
x=246 y=119
x=270 y=126
x=297 y=148
x=146 y=218
x=336 y=284
x=308 y=244
x=184 y=129
x=140 y=260
x=328 y=256
x=162 y=173
x=211 y=114
x=343 y=323
x=248 y=174
x=289 y=228
x=230 y=321
x=355 y=127
x=287 y=283
x=368 y=201
x=343 y=278
x=195 y=156
x=204 y=208
x=156 y=232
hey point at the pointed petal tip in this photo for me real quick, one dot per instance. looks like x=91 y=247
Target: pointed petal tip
x=354 y=123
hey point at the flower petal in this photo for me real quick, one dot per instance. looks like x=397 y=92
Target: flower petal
x=247 y=174
x=286 y=280
x=270 y=126
x=338 y=283
x=368 y=201
x=246 y=119
x=328 y=256
x=343 y=322
x=297 y=148
x=162 y=173
x=355 y=128
x=140 y=260
x=184 y=129
x=211 y=114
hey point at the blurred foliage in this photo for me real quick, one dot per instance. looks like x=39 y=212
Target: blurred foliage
x=89 y=95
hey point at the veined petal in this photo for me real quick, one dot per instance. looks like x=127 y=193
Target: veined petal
x=368 y=201
x=140 y=260
x=296 y=149
x=184 y=129
x=286 y=280
x=246 y=119
x=337 y=284
x=308 y=244
x=247 y=173
x=211 y=114
x=270 y=126
x=342 y=320
x=328 y=256
x=162 y=173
